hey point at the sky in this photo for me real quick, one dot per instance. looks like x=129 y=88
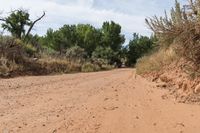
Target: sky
x=130 y=14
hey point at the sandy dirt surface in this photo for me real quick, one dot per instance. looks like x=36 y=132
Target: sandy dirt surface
x=115 y=101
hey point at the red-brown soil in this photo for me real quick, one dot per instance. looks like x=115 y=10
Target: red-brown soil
x=115 y=101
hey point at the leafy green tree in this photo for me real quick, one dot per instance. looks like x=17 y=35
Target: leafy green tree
x=104 y=53
x=48 y=39
x=106 y=43
x=112 y=36
x=61 y=39
x=59 y=42
x=88 y=37
x=112 y=39
x=139 y=46
x=52 y=40
x=16 y=22
x=69 y=35
x=82 y=35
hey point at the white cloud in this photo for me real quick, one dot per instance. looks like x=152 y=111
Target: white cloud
x=130 y=14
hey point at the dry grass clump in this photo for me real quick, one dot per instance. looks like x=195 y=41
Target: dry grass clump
x=45 y=66
x=11 y=49
x=156 y=61
x=7 y=67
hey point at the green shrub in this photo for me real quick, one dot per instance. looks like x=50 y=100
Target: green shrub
x=106 y=54
x=30 y=50
x=89 y=67
x=76 y=53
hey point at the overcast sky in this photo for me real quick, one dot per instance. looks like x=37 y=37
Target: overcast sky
x=130 y=14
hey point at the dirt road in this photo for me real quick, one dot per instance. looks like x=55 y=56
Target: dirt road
x=104 y=102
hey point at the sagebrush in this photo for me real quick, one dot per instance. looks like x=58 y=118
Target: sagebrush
x=180 y=30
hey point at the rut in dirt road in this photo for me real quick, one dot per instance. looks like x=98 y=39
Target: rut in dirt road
x=115 y=101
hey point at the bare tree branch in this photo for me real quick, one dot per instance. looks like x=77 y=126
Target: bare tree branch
x=30 y=28
x=2 y=19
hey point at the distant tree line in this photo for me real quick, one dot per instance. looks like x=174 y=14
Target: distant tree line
x=106 y=40
x=81 y=41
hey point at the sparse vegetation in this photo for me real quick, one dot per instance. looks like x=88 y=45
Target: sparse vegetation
x=155 y=61
x=72 y=48
x=180 y=32
x=7 y=66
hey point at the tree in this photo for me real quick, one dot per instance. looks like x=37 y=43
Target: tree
x=112 y=39
x=59 y=42
x=82 y=35
x=107 y=40
x=88 y=37
x=104 y=53
x=16 y=22
x=112 y=36
x=48 y=39
x=61 y=39
x=69 y=35
x=139 y=46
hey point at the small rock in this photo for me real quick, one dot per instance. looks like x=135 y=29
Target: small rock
x=106 y=99
x=164 y=97
x=180 y=84
x=54 y=131
x=110 y=108
x=184 y=87
x=180 y=124
x=154 y=79
x=162 y=85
